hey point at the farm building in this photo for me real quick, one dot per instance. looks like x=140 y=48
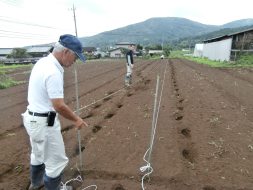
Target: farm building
x=39 y=51
x=198 y=50
x=117 y=52
x=124 y=44
x=34 y=52
x=120 y=49
x=4 y=52
x=227 y=47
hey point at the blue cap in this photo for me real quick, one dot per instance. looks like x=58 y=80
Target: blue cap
x=71 y=42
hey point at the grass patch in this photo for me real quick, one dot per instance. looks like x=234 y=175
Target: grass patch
x=2 y=72
x=243 y=61
x=210 y=62
x=14 y=66
x=6 y=82
x=176 y=54
x=9 y=68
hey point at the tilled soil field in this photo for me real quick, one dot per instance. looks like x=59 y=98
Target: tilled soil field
x=203 y=138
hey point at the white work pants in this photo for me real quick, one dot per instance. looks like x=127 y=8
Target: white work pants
x=129 y=69
x=46 y=143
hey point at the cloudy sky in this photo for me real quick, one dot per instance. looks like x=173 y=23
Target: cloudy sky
x=29 y=22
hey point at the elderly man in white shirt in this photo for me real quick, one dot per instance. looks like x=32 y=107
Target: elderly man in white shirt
x=46 y=101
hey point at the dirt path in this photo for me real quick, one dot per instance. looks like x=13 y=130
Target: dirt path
x=203 y=139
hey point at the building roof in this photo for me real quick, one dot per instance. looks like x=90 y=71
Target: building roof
x=125 y=43
x=226 y=36
x=5 y=51
x=39 y=49
x=111 y=50
x=247 y=30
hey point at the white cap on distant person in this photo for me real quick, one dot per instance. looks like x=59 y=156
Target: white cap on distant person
x=71 y=42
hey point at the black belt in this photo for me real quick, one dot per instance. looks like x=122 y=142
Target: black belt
x=38 y=114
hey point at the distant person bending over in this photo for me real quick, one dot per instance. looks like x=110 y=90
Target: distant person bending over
x=45 y=98
x=129 y=65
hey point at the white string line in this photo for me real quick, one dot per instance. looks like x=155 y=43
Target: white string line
x=159 y=104
x=148 y=166
x=144 y=168
x=79 y=179
x=99 y=100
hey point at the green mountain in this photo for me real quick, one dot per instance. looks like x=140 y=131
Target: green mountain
x=238 y=23
x=157 y=31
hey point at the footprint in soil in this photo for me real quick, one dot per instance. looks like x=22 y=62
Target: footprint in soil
x=187 y=154
x=117 y=187
x=109 y=115
x=119 y=105
x=97 y=106
x=88 y=116
x=186 y=132
x=96 y=128
x=178 y=116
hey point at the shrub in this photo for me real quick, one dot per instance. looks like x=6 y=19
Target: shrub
x=245 y=60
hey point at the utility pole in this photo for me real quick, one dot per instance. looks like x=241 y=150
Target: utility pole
x=75 y=18
x=162 y=43
x=77 y=102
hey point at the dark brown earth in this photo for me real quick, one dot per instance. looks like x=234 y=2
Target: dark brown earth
x=203 y=139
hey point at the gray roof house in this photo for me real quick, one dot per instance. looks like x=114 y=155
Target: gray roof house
x=116 y=52
x=4 y=52
x=39 y=51
x=124 y=44
x=35 y=52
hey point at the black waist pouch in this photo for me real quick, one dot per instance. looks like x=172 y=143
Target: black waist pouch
x=51 y=118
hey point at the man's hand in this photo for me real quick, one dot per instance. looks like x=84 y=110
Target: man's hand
x=65 y=111
x=132 y=65
x=80 y=123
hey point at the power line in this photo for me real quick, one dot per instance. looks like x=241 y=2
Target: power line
x=10 y=2
x=22 y=37
x=21 y=33
x=26 y=23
